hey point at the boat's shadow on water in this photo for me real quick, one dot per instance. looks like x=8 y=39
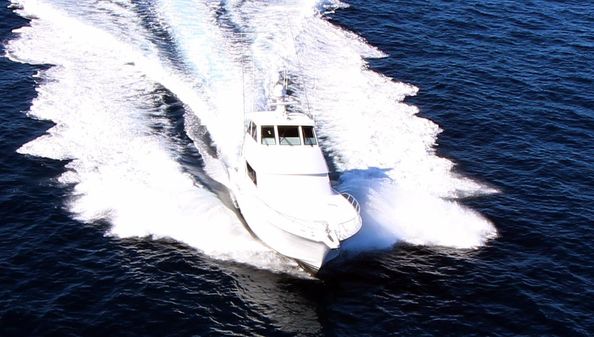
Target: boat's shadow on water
x=302 y=305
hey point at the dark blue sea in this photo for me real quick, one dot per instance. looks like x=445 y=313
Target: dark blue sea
x=464 y=128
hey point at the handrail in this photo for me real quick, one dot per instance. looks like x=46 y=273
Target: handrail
x=312 y=227
x=352 y=200
x=315 y=227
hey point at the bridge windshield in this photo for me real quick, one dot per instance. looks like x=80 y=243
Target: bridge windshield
x=289 y=135
x=268 y=135
x=308 y=135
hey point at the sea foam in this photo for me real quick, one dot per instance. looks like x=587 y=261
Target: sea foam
x=102 y=95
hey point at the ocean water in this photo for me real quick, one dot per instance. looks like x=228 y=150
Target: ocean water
x=464 y=129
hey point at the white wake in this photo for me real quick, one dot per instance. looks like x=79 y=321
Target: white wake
x=101 y=94
x=365 y=126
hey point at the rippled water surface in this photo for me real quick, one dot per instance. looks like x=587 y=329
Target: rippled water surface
x=465 y=130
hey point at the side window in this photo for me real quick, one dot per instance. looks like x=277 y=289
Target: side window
x=251 y=173
x=268 y=135
x=288 y=135
x=253 y=130
x=309 y=137
x=249 y=128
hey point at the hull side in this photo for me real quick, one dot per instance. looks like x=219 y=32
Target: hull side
x=310 y=254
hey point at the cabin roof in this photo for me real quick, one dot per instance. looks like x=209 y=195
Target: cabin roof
x=279 y=118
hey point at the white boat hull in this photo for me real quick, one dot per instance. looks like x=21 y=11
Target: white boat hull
x=310 y=254
x=282 y=188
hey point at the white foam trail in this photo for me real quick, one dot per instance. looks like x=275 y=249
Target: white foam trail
x=365 y=126
x=392 y=213
x=101 y=99
x=100 y=95
x=359 y=112
x=211 y=62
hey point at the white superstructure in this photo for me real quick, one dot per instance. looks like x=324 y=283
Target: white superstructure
x=283 y=190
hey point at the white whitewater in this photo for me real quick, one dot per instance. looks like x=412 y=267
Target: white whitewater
x=101 y=95
x=367 y=127
x=102 y=102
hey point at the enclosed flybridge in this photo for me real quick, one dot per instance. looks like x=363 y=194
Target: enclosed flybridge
x=283 y=191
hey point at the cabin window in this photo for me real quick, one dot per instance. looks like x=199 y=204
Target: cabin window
x=251 y=173
x=253 y=130
x=268 y=135
x=289 y=135
x=309 y=137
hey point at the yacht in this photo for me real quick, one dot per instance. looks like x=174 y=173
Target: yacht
x=283 y=191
